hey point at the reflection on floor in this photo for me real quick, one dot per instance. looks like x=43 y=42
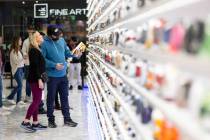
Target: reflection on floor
x=79 y=101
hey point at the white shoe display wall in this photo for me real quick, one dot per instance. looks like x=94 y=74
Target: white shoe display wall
x=148 y=68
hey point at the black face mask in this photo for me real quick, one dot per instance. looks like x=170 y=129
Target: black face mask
x=55 y=38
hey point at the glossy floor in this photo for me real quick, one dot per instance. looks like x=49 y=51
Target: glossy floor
x=79 y=101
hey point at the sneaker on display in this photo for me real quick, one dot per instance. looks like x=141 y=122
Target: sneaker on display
x=27 y=127
x=70 y=123
x=12 y=102
x=39 y=126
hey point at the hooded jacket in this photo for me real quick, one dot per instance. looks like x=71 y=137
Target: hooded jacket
x=55 y=52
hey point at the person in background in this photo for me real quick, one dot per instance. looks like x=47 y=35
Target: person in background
x=36 y=69
x=25 y=50
x=3 y=110
x=75 y=65
x=55 y=52
x=17 y=65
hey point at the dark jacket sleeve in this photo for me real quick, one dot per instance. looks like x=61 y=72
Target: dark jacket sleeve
x=34 y=62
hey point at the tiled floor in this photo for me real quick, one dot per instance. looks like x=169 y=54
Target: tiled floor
x=79 y=100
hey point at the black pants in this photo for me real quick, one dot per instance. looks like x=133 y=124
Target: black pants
x=57 y=104
x=60 y=83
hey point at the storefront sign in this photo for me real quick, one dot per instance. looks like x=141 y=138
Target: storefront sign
x=42 y=11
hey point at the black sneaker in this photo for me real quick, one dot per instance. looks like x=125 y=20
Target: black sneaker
x=39 y=126
x=80 y=87
x=71 y=87
x=70 y=123
x=27 y=127
x=42 y=111
x=52 y=124
x=57 y=107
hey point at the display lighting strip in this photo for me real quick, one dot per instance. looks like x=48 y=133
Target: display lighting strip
x=93 y=120
x=89 y=4
x=144 y=131
x=90 y=9
x=115 y=117
x=94 y=12
x=101 y=117
x=164 y=9
x=107 y=119
x=180 y=117
x=105 y=13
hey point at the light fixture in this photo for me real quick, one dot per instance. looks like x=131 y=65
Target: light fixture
x=23 y=2
x=37 y=1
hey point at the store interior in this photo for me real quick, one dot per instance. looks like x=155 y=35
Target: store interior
x=148 y=70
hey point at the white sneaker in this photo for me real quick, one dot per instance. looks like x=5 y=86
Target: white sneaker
x=10 y=108
x=27 y=99
x=3 y=112
x=21 y=103
x=12 y=102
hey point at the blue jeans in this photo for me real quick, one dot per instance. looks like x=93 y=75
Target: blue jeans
x=28 y=88
x=19 y=79
x=60 y=84
x=1 y=88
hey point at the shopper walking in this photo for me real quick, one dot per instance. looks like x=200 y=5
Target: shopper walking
x=55 y=52
x=3 y=110
x=17 y=65
x=25 y=50
x=75 y=65
x=36 y=70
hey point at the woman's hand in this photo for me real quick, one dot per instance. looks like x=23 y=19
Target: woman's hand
x=41 y=84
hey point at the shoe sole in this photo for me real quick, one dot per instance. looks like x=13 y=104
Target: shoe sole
x=70 y=125
x=28 y=130
x=39 y=128
x=52 y=127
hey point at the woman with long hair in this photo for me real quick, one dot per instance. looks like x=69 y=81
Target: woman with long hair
x=36 y=70
x=17 y=64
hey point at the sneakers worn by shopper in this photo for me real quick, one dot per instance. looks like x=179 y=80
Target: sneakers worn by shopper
x=10 y=108
x=4 y=112
x=12 y=102
x=21 y=103
x=71 y=87
x=70 y=122
x=27 y=127
x=51 y=123
x=27 y=99
x=42 y=111
x=58 y=107
x=80 y=87
x=39 y=126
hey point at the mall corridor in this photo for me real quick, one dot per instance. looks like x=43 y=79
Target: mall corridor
x=79 y=102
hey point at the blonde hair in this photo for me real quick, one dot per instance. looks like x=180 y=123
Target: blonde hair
x=33 y=41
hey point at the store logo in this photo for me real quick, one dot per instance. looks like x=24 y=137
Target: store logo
x=41 y=10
